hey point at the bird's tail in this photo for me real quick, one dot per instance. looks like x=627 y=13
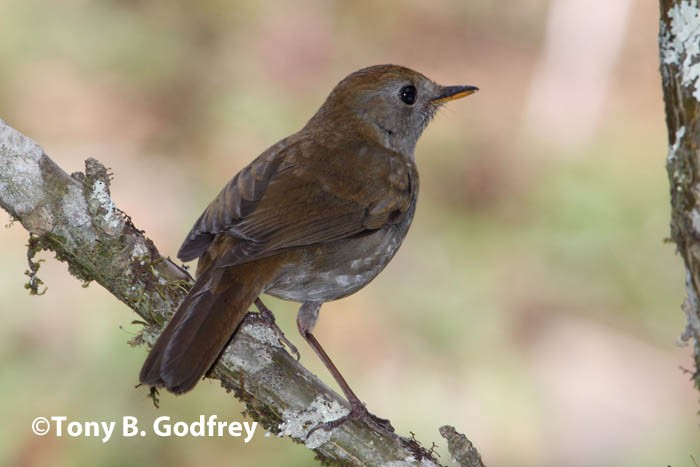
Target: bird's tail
x=202 y=326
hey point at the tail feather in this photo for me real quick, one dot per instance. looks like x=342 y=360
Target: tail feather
x=150 y=371
x=200 y=329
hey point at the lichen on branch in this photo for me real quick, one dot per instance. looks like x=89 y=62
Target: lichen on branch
x=75 y=217
x=679 y=49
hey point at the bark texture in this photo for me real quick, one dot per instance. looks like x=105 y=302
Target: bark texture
x=74 y=216
x=679 y=44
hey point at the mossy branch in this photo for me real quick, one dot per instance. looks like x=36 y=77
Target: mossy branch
x=679 y=37
x=74 y=216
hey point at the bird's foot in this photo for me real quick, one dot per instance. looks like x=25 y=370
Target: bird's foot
x=359 y=412
x=266 y=316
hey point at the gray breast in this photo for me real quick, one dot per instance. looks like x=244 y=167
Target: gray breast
x=337 y=269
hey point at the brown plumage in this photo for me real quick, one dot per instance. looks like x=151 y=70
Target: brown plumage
x=314 y=218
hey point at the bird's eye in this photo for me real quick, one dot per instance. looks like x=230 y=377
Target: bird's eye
x=408 y=94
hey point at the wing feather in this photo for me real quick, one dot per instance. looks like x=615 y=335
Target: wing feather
x=286 y=198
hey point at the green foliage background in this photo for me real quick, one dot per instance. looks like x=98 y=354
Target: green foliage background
x=534 y=304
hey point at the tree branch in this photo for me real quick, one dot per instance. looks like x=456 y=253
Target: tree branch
x=74 y=216
x=679 y=39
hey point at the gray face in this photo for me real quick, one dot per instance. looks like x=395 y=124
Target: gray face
x=399 y=110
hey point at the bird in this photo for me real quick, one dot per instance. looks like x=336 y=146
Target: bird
x=312 y=219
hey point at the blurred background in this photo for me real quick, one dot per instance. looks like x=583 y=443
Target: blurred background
x=534 y=304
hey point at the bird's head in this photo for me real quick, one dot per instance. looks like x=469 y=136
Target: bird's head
x=390 y=104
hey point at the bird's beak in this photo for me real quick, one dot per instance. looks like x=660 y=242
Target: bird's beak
x=450 y=93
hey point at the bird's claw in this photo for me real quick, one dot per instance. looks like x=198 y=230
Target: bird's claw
x=266 y=316
x=357 y=412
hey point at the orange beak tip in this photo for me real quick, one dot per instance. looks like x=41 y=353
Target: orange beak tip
x=451 y=93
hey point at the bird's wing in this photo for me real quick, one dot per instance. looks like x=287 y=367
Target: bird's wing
x=291 y=197
x=235 y=201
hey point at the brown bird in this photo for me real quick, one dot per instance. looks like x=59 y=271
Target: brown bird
x=313 y=219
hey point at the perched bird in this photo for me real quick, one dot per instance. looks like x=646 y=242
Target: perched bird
x=314 y=218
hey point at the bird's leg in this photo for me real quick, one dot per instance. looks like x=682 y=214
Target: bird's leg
x=306 y=319
x=269 y=318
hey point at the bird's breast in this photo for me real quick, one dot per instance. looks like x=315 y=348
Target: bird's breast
x=333 y=270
